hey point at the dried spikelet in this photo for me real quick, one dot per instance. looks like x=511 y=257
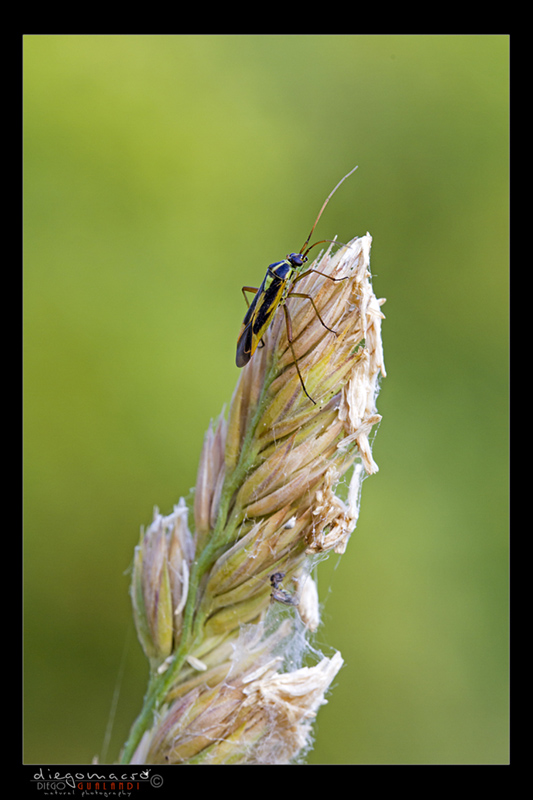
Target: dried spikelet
x=160 y=581
x=218 y=626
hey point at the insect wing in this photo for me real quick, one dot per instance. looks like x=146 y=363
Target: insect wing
x=273 y=289
x=262 y=309
x=245 y=343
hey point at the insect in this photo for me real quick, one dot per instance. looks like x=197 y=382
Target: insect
x=277 y=286
x=279 y=593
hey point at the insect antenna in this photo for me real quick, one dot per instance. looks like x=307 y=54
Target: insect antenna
x=326 y=201
x=333 y=241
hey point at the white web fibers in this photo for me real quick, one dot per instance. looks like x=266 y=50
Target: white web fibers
x=281 y=695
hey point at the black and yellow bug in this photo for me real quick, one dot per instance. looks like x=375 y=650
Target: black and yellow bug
x=277 y=286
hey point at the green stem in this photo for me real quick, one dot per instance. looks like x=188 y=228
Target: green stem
x=192 y=622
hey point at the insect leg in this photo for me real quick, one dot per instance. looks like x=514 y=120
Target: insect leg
x=252 y=289
x=308 y=297
x=289 y=337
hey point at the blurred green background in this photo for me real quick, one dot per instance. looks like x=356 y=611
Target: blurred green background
x=161 y=173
